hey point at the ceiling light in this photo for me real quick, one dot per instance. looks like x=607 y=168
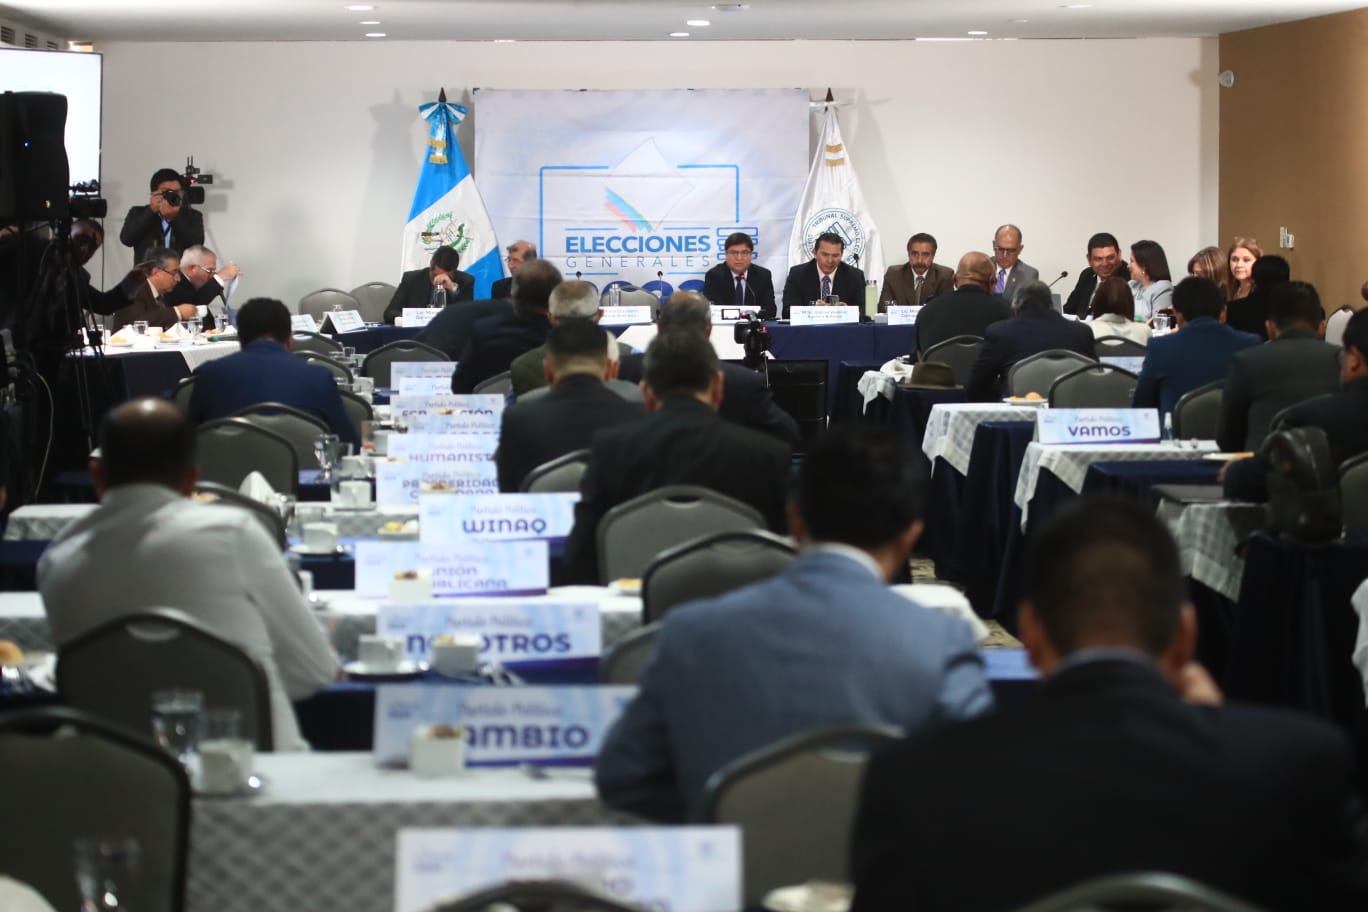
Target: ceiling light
x=698 y=23
x=679 y=34
x=977 y=32
x=505 y=40
x=370 y=22
x=375 y=34
x=1020 y=21
x=362 y=8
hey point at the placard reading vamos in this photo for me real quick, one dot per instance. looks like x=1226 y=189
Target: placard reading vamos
x=1095 y=426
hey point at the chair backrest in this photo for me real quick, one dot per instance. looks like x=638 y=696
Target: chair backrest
x=112 y=670
x=498 y=384
x=631 y=534
x=357 y=407
x=377 y=363
x=67 y=776
x=560 y=474
x=537 y=896
x=336 y=368
x=298 y=427
x=211 y=492
x=180 y=396
x=227 y=450
x=319 y=344
x=318 y=303
x=1197 y=412
x=1036 y=373
x=1140 y=891
x=1353 y=481
x=625 y=659
x=631 y=296
x=1118 y=347
x=959 y=352
x=1093 y=386
x=711 y=565
x=795 y=802
x=373 y=298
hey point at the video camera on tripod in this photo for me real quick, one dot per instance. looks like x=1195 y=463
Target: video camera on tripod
x=753 y=337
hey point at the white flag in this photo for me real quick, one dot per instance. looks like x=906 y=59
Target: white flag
x=832 y=202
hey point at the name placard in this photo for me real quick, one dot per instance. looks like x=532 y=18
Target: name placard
x=627 y=315
x=303 y=323
x=1131 y=363
x=505 y=726
x=823 y=314
x=1095 y=426
x=417 y=316
x=512 y=632
x=679 y=869
x=399 y=482
x=496 y=517
x=471 y=568
x=341 y=321
x=903 y=314
x=445 y=413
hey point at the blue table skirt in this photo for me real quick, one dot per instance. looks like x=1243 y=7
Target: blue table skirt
x=846 y=402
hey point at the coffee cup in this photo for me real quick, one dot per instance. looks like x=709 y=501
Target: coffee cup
x=363 y=386
x=354 y=493
x=379 y=652
x=320 y=537
x=456 y=654
x=354 y=467
x=380 y=441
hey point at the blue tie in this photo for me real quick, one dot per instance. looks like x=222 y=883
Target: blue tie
x=826 y=287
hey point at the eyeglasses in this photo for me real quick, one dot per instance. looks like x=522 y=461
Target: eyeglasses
x=997 y=249
x=171 y=272
x=204 y=269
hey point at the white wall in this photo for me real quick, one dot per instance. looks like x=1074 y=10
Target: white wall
x=315 y=146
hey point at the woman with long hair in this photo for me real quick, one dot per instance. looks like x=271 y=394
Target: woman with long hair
x=1240 y=259
x=1150 y=282
x=1210 y=263
x=1113 y=311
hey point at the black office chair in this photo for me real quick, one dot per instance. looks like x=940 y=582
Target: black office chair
x=1093 y=386
x=1198 y=411
x=959 y=352
x=711 y=565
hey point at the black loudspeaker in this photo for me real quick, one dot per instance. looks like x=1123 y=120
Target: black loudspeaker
x=799 y=387
x=33 y=162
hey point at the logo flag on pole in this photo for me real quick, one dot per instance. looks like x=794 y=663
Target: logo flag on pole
x=447 y=209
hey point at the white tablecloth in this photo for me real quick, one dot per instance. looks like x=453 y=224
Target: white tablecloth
x=321 y=835
x=194 y=355
x=950 y=428
x=42 y=522
x=1207 y=534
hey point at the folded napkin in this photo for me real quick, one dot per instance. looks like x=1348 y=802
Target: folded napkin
x=176 y=331
x=125 y=334
x=258 y=488
x=874 y=384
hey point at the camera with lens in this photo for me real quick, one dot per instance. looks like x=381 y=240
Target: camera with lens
x=753 y=337
x=173 y=197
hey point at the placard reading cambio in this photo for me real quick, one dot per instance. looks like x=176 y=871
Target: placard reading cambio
x=1097 y=425
x=448 y=414
x=513 y=632
x=496 y=517
x=504 y=726
x=902 y=314
x=303 y=323
x=472 y=568
x=344 y=320
x=823 y=315
x=418 y=316
x=625 y=315
x=676 y=869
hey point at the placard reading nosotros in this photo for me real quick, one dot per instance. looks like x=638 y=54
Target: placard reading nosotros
x=496 y=517
x=513 y=632
x=1097 y=426
x=471 y=568
x=398 y=483
x=673 y=869
x=504 y=725
x=448 y=414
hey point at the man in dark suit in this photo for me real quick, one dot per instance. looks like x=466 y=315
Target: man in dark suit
x=823 y=276
x=162 y=272
x=1104 y=261
x=201 y=282
x=450 y=329
x=738 y=282
x=683 y=441
x=919 y=279
x=576 y=405
x=1343 y=415
x=1009 y=273
x=568 y=300
x=968 y=310
x=1265 y=379
x=265 y=371
x=519 y=252
x=1109 y=769
x=166 y=221
x=746 y=400
x=1035 y=328
x=1198 y=352
x=495 y=341
x=417 y=286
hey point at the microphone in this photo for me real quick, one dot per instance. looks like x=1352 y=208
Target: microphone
x=1062 y=274
x=856 y=258
x=578 y=274
x=660 y=276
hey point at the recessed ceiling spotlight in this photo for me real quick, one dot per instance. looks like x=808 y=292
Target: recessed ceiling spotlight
x=679 y=34
x=360 y=8
x=1020 y=21
x=698 y=23
x=977 y=32
x=505 y=40
x=375 y=34
x=370 y=22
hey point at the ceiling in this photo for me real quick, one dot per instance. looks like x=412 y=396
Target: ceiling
x=617 y=20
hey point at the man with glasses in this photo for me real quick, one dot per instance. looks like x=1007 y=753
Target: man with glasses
x=738 y=282
x=519 y=252
x=1008 y=271
x=199 y=264
x=166 y=220
x=162 y=270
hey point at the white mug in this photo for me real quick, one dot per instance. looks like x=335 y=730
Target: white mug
x=456 y=654
x=320 y=537
x=354 y=493
x=379 y=652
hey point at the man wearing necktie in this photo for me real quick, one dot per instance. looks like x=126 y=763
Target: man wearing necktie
x=1011 y=273
x=918 y=280
x=162 y=270
x=167 y=221
x=738 y=281
x=824 y=275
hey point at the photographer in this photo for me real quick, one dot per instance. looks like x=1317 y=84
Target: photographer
x=166 y=221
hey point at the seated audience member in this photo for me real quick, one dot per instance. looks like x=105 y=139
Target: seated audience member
x=1110 y=769
x=1150 y=282
x=825 y=275
x=683 y=442
x=1251 y=313
x=417 y=285
x=149 y=546
x=1240 y=258
x=576 y=406
x=1010 y=273
x=1335 y=323
x=1343 y=415
x=738 y=281
x=265 y=371
x=920 y=279
x=496 y=340
x=519 y=252
x=201 y=282
x=968 y=310
x=825 y=642
x=1197 y=353
x=568 y=299
x=1113 y=312
x=1265 y=379
x=1037 y=327
x=746 y=398
x=161 y=271
x=1104 y=261
x=1210 y=263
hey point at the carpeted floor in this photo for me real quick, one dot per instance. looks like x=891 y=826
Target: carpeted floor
x=924 y=571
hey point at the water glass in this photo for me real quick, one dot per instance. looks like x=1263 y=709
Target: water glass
x=348 y=354
x=106 y=868
x=225 y=752
x=1161 y=323
x=176 y=722
x=194 y=326
x=140 y=327
x=327 y=450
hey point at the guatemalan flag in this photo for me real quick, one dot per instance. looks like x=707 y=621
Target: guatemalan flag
x=447 y=209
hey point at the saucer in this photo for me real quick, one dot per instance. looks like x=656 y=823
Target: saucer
x=405 y=669
x=317 y=552
x=255 y=784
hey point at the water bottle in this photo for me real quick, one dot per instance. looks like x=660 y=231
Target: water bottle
x=1168 y=425
x=439 y=297
x=615 y=296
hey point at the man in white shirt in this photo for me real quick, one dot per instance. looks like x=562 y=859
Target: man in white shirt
x=149 y=546
x=201 y=282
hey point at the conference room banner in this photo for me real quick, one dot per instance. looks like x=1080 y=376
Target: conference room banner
x=643 y=185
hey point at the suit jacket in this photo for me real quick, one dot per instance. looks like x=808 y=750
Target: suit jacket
x=683 y=443
x=719 y=287
x=1250 y=313
x=966 y=311
x=494 y=343
x=146 y=306
x=186 y=293
x=1343 y=415
x=1021 y=274
x=900 y=285
x=562 y=421
x=263 y=371
x=1108 y=771
x=142 y=230
x=415 y=290
x=1009 y=341
x=527 y=373
x=804 y=286
x=1180 y=362
x=1080 y=299
x=502 y=289
x=823 y=643
x=746 y=400
x=449 y=331
x=1265 y=379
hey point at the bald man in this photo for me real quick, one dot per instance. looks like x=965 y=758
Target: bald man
x=966 y=311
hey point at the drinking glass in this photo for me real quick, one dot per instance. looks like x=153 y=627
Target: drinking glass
x=140 y=327
x=106 y=868
x=175 y=721
x=327 y=448
x=1161 y=323
x=194 y=325
x=225 y=751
